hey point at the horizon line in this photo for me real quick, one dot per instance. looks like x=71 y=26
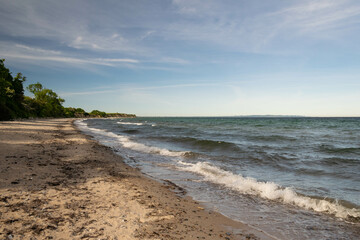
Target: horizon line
x=255 y=115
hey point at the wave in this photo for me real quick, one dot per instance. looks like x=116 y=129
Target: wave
x=130 y=123
x=137 y=124
x=131 y=131
x=110 y=138
x=269 y=190
x=271 y=138
x=339 y=150
x=204 y=145
x=340 y=161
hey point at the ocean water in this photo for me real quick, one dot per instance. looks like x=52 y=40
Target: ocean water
x=294 y=178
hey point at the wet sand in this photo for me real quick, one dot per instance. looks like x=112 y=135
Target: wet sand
x=57 y=183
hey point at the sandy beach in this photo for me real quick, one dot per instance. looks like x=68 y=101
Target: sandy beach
x=57 y=183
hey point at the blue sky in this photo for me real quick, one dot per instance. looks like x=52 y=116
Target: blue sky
x=190 y=57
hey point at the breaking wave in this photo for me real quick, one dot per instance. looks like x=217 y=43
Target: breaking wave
x=107 y=138
x=130 y=123
x=269 y=190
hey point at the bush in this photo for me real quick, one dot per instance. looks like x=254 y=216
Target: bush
x=97 y=113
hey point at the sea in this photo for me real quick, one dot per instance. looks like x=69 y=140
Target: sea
x=291 y=177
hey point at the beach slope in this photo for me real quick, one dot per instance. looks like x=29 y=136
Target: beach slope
x=56 y=183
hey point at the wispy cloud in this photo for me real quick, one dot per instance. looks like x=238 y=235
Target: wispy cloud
x=70 y=60
x=34 y=54
x=158 y=33
x=317 y=16
x=248 y=29
x=117 y=60
x=67 y=24
x=113 y=42
x=37 y=50
x=172 y=60
x=116 y=89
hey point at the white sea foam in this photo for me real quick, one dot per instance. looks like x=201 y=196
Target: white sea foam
x=110 y=138
x=137 y=124
x=130 y=123
x=266 y=190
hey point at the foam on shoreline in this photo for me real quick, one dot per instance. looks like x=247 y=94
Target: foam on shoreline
x=104 y=136
x=267 y=190
x=214 y=174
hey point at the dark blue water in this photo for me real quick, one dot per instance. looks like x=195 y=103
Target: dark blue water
x=256 y=170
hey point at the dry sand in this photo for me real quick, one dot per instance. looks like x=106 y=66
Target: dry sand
x=56 y=183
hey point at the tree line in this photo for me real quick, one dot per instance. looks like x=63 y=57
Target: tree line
x=45 y=103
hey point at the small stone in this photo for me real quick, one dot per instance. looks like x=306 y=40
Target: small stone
x=51 y=227
x=250 y=236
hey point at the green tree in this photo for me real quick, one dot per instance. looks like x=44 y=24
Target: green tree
x=11 y=94
x=50 y=103
x=79 y=112
x=97 y=113
x=32 y=107
x=69 y=112
x=75 y=112
x=46 y=103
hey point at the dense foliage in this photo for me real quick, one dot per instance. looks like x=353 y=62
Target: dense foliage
x=75 y=112
x=11 y=94
x=45 y=103
x=97 y=113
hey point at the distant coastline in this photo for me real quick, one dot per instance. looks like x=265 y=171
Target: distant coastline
x=271 y=116
x=117 y=115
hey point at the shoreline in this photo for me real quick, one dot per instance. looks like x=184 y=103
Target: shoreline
x=58 y=183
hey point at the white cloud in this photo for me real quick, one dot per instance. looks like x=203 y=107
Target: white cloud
x=125 y=88
x=70 y=60
x=68 y=23
x=37 y=50
x=34 y=54
x=106 y=43
x=241 y=26
x=118 y=60
x=318 y=16
x=199 y=8
x=79 y=42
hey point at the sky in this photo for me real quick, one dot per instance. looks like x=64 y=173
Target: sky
x=189 y=57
